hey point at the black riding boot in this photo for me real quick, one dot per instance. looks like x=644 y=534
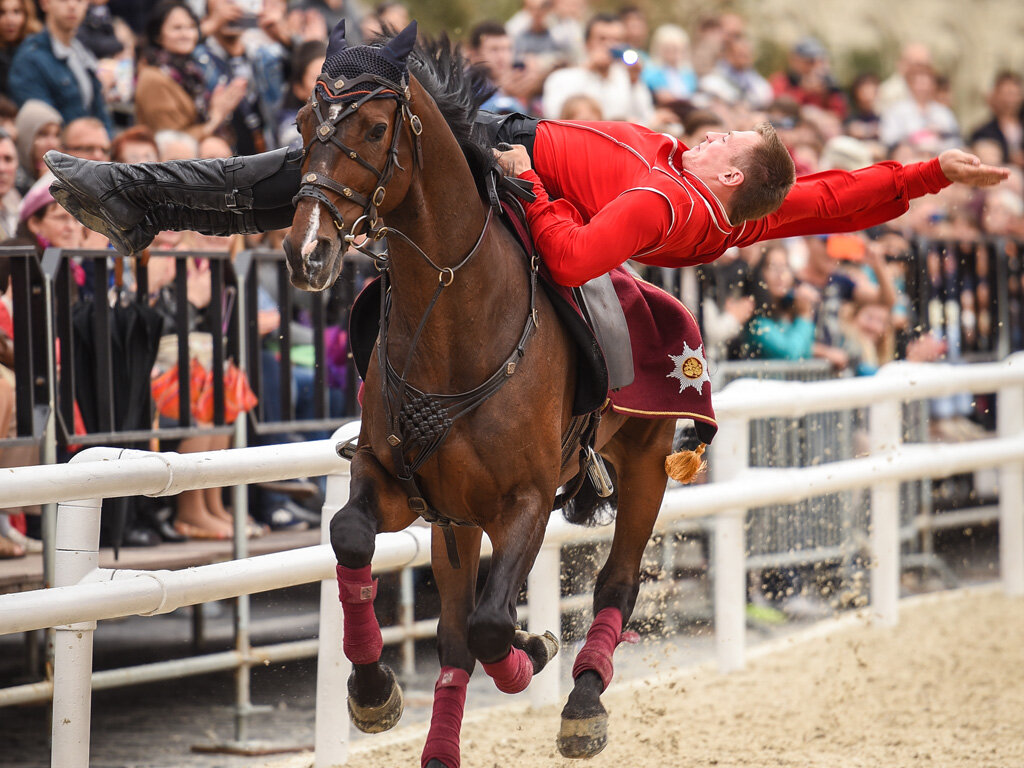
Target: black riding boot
x=129 y=203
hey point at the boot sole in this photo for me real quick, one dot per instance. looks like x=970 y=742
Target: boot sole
x=77 y=208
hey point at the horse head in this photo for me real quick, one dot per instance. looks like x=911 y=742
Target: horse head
x=361 y=140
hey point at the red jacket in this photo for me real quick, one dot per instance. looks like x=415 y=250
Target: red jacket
x=608 y=192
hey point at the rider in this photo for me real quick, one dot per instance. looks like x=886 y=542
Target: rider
x=621 y=191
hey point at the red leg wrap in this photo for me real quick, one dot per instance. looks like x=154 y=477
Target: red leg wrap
x=602 y=638
x=356 y=590
x=513 y=673
x=446 y=720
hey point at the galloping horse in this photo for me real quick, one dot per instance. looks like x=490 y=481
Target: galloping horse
x=388 y=138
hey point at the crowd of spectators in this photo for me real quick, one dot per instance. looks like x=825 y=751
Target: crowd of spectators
x=136 y=80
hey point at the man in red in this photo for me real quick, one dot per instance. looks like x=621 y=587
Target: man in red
x=608 y=192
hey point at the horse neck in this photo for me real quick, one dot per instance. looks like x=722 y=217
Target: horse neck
x=444 y=215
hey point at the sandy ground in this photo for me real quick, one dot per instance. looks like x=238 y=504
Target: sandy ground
x=944 y=688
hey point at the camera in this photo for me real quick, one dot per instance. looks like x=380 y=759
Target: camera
x=627 y=56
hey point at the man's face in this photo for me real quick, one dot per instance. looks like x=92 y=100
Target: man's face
x=718 y=152
x=495 y=53
x=1007 y=98
x=604 y=35
x=8 y=165
x=65 y=15
x=89 y=142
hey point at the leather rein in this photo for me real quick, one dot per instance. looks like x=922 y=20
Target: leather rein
x=418 y=422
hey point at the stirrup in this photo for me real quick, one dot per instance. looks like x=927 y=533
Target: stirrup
x=347 y=450
x=598 y=474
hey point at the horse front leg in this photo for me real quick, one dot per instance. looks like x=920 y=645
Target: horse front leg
x=638 y=453
x=457 y=588
x=375 y=505
x=510 y=657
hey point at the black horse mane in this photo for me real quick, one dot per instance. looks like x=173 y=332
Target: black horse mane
x=458 y=90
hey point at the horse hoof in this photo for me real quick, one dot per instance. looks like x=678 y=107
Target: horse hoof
x=540 y=648
x=583 y=738
x=381 y=717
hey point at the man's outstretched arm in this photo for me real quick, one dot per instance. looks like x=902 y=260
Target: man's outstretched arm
x=842 y=201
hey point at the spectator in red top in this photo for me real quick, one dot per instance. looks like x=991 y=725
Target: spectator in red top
x=808 y=78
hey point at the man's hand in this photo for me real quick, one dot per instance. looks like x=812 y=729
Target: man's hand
x=968 y=169
x=514 y=161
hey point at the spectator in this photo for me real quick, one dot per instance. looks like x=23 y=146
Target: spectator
x=920 y=118
x=17 y=21
x=136 y=145
x=636 y=29
x=870 y=338
x=38 y=127
x=1005 y=127
x=697 y=124
x=54 y=67
x=176 y=145
x=894 y=89
x=43 y=223
x=808 y=79
x=9 y=197
x=734 y=78
x=581 y=107
x=171 y=93
x=726 y=304
x=8 y=116
x=534 y=44
x=86 y=137
x=669 y=74
x=227 y=56
x=97 y=31
x=307 y=61
x=863 y=120
x=616 y=86
x=782 y=327
x=491 y=48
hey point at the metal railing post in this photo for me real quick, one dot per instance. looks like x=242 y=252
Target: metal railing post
x=332 y=668
x=77 y=554
x=885 y=432
x=730 y=458
x=544 y=591
x=1010 y=417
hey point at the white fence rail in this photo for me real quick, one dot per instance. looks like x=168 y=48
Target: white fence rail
x=84 y=593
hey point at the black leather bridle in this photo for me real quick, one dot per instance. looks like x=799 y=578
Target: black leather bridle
x=418 y=422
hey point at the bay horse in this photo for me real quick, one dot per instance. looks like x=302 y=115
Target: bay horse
x=389 y=153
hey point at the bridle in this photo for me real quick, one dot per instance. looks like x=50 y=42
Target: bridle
x=339 y=93
x=418 y=422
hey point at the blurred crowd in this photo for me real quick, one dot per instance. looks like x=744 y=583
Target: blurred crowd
x=137 y=80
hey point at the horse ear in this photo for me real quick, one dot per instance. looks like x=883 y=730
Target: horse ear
x=336 y=43
x=398 y=48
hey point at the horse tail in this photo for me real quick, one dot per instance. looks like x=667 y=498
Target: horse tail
x=587 y=508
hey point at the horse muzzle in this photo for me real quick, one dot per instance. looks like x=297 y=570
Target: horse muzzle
x=315 y=265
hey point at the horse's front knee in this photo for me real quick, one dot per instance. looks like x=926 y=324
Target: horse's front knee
x=353 y=536
x=490 y=634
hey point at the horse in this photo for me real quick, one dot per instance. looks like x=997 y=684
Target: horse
x=467 y=394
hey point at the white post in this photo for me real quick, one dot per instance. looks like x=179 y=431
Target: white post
x=77 y=554
x=886 y=434
x=332 y=670
x=1010 y=415
x=729 y=459
x=544 y=592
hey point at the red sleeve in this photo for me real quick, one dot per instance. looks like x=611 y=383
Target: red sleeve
x=576 y=250
x=841 y=201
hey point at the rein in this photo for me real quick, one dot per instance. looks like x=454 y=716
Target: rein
x=418 y=422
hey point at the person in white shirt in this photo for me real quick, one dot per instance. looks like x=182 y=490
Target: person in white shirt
x=616 y=85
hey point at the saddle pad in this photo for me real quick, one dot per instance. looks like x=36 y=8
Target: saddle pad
x=672 y=379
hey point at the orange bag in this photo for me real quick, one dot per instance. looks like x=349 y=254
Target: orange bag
x=164 y=389
x=238 y=396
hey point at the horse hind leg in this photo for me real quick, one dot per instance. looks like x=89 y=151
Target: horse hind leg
x=638 y=452
x=510 y=657
x=375 y=700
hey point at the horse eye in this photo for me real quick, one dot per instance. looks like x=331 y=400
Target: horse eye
x=377 y=132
